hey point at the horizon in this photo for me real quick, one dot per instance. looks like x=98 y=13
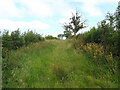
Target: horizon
x=47 y=16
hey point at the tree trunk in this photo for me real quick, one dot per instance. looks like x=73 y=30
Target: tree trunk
x=74 y=34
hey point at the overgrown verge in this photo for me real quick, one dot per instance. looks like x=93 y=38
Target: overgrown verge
x=103 y=60
x=15 y=40
x=16 y=60
x=101 y=44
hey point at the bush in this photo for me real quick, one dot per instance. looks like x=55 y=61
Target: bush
x=31 y=37
x=101 y=57
x=50 y=37
x=105 y=35
x=16 y=40
x=6 y=40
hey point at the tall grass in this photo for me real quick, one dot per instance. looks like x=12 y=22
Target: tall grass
x=52 y=64
x=100 y=57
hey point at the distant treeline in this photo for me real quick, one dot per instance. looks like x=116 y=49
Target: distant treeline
x=15 y=40
x=50 y=37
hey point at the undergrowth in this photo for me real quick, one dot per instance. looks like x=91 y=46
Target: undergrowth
x=53 y=64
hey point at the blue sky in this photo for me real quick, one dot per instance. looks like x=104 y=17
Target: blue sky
x=47 y=16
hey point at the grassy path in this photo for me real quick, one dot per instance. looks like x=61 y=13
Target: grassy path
x=53 y=64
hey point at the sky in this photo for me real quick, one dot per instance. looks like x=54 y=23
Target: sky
x=46 y=17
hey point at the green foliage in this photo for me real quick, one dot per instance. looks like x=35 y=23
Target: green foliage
x=104 y=34
x=53 y=64
x=60 y=73
x=102 y=43
x=67 y=33
x=6 y=40
x=117 y=24
x=75 y=24
x=107 y=33
x=60 y=36
x=31 y=37
x=16 y=40
x=50 y=37
x=111 y=18
x=117 y=17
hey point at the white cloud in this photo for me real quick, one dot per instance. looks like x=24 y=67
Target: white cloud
x=69 y=12
x=66 y=16
x=106 y=1
x=8 y=9
x=24 y=8
x=97 y=1
x=44 y=8
x=35 y=8
x=92 y=10
x=58 y=6
x=32 y=8
x=90 y=6
x=13 y=25
x=63 y=20
x=52 y=9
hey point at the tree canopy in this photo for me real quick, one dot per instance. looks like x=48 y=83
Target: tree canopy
x=75 y=23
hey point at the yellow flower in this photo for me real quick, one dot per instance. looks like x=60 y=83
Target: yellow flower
x=94 y=57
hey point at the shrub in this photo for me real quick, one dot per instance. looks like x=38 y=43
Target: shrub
x=31 y=37
x=50 y=37
x=6 y=40
x=101 y=57
x=16 y=40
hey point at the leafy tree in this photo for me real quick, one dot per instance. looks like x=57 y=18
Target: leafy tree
x=111 y=18
x=104 y=34
x=117 y=24
x=117 y=17
x=67 y=33
x=75 y=23
x=6 y=43
x=60 y=36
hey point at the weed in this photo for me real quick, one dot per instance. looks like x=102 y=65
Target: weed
x=54 y=64
x=60 y=73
